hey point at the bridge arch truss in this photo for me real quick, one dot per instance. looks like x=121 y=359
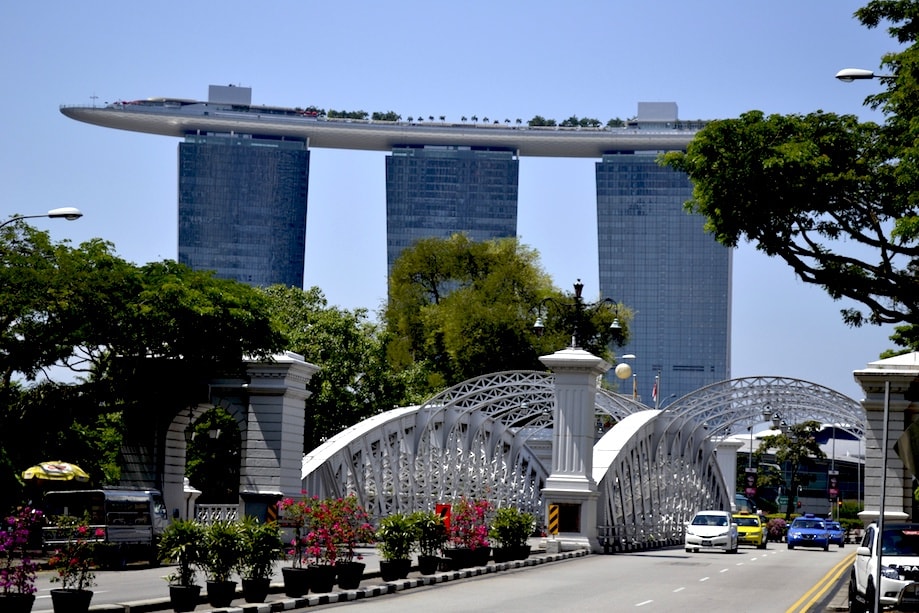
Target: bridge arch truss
x=488 y=438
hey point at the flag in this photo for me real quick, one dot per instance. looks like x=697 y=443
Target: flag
x=634 y=387
x=654 y=390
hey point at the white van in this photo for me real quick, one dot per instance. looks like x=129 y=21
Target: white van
x=132 y=520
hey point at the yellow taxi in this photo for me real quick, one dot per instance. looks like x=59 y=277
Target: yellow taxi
x=751 y=530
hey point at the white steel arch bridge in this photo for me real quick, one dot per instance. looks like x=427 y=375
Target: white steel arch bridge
x=490 y=437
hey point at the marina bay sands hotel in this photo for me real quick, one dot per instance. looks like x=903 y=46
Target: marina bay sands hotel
x=242 y=203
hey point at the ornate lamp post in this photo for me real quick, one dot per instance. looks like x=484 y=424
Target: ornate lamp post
x=580 y=315
x=570 y=492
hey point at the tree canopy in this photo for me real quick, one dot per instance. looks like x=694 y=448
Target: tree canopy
x=84 y=335
x=354 y=380
x=460 y=308
x=792 y=448
x=834 y=197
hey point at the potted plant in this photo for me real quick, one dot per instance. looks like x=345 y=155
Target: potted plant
x=432 y=536
x=17 y=571
x=468 y=534
x=261 y=547
x=334 y=528
x=353 y=527
x=396 y=537
x=296 y=513
x=510 y=529
x=180 y=544
x=73 y=562
x=222 y=552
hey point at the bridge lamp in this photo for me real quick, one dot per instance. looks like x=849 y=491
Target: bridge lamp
x=581 y=311
x=68 y=212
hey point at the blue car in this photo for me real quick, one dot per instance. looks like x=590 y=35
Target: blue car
x=808 y=531
x=837 y=534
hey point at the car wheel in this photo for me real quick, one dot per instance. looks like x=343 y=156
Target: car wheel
x=762 y=545
x=827 y=546
x=791 y=545
x=842 y=544
x=869 y=599
x=688 y=550
x=854 y=605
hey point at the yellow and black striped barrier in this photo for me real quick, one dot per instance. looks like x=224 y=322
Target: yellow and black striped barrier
x=553 y=519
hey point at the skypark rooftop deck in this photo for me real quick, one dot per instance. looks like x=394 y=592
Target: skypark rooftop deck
x=174 y=117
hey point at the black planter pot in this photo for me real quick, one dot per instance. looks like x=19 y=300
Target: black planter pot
x=391 y=570
x=427 y=565
x=221 y=593
x=16 y=603
x=349 y=574
x=522 y=552
x=322 y=578
x=71 y=601
x=458 y=558
x=503 y=554
x=480 y=556
x=184 y=597
x=256 y=590
x=296 y=581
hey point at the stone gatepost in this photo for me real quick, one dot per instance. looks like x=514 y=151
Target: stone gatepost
x=272 y=453
x=571 y=493
x=902 y=374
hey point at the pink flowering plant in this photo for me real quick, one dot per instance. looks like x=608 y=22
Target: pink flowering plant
x=17 y=571
x=73 y=559
x=327 y=530
x=469 y=523
x=296 y=513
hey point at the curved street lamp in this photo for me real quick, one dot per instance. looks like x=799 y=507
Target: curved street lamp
x=67 y=212
x=859 y=74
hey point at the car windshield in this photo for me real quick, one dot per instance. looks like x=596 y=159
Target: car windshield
x=901 y=542
x=710 y=520
x=746 y=521
x=834 y=525
x=808 y=523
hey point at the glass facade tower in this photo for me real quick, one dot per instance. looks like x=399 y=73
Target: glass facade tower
x=242 y=207
x=656 y=259
x=440 y=191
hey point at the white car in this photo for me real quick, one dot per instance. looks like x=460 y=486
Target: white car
x=899 y=569
x=711 y=530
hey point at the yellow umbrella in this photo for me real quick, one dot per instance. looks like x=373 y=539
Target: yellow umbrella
x=56 y=470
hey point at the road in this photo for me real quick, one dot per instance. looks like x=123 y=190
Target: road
x=671 y=580
x=752 y=581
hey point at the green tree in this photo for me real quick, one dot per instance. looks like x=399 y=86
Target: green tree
x=833 y=197
x=354 y=381
x=460 y=308
x=792 y=448
x=115 y=327
x=212 y=459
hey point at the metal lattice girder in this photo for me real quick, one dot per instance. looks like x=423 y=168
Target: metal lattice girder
x=472 y=439
x=654 y=470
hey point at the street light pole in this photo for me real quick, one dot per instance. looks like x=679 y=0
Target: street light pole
x=68 y=212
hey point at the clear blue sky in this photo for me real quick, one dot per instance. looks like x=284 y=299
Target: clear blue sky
x=500 y=59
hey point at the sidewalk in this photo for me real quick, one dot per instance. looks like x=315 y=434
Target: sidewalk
x=372 y=585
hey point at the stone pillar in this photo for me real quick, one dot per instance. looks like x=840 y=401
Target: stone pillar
x=272 y=451
x=726 y=455
x=570 y=489
x=901 y=372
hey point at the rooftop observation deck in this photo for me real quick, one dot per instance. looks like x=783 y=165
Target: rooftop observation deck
x=173 y=117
